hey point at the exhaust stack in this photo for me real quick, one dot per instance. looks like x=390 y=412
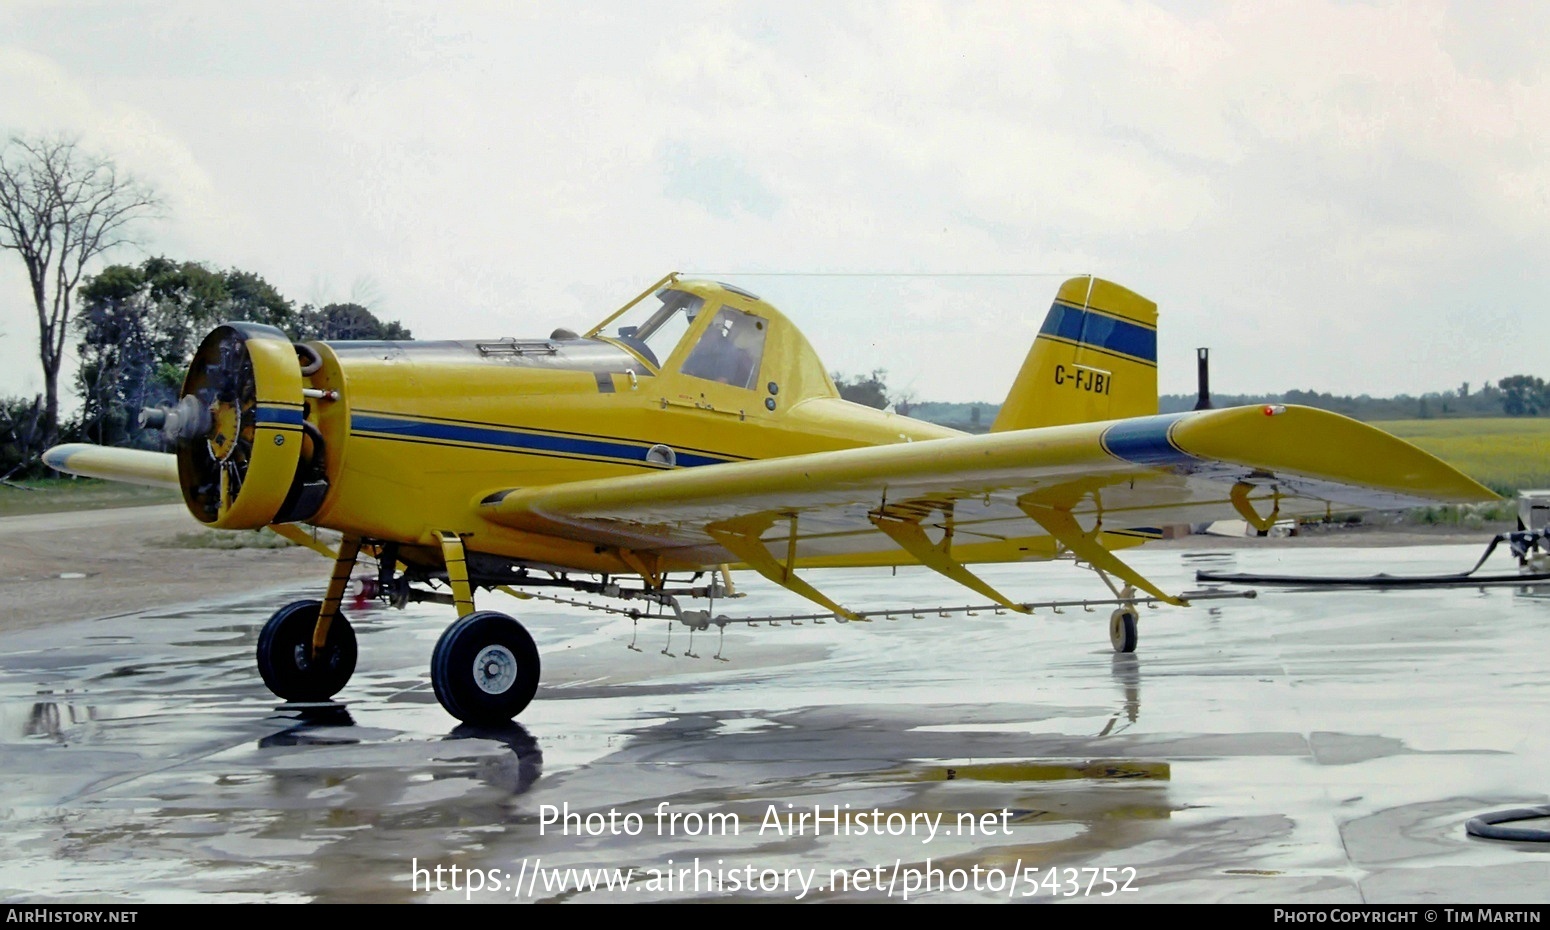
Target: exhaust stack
x=1203 y=376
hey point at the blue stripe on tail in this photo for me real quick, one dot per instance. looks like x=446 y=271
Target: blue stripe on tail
x=1101 y=331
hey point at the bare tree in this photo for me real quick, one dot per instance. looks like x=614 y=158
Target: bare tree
x=60 y=208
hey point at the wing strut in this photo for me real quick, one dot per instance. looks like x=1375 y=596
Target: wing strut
x=912 y=538
x=741 y=538
x=1061 y=525
x=1240 y=502
x=645 y=565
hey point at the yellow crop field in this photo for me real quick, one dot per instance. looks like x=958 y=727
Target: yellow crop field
x=1506 y=454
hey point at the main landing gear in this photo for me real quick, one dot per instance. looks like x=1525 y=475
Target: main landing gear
x=484 y=669
x=306 y=651
x=291 y=667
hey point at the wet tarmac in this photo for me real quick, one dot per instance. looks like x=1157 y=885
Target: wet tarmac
x=1297 y=748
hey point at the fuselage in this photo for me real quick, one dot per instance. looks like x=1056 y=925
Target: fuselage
x=417 y=433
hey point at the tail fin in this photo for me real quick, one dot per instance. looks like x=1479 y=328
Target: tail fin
x=1095 y=358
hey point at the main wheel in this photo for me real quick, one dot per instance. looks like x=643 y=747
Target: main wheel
x=485 y=668
x=285 y=656
x=1122 y=629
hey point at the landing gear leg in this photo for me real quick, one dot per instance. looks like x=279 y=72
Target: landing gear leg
x=485 y=667
x=457 y=573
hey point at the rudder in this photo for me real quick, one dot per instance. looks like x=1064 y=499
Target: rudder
x=1095 y=358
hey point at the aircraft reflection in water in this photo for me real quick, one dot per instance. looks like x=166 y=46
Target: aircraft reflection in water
x=55 y=719
x=696 y=431
x=1126 y=671
x=512 y=773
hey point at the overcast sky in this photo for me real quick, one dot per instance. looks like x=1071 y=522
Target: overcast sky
x=1348 y=197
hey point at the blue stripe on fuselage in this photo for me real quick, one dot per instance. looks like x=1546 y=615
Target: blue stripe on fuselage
x=1100 y=331
x=516 y=440
x=1146 y=441
x=278 y=416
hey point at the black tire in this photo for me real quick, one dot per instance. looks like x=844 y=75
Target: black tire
x=1122 y=629
x=283 y=654
x=485 y=668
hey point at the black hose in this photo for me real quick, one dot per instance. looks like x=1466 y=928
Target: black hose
x=1375 y=581
x=318 y=456
x=308 y=358
x=1521 y=543
x=1486 y=825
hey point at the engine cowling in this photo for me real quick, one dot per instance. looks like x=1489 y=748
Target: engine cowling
x=246 y=455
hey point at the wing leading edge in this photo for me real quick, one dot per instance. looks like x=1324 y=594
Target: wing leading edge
x=1087 y=488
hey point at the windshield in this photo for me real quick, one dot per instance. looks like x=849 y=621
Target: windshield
x=654 y=333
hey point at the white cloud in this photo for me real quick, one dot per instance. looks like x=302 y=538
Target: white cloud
x=1315 y=189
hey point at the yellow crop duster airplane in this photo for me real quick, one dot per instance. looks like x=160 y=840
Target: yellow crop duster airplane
x=696 y=429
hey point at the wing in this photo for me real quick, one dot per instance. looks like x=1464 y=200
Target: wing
x=1086 y=488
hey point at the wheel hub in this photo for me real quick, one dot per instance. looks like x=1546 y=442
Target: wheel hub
x=495 y=669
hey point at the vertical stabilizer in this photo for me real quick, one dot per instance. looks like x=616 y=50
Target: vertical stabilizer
x=1095 y=358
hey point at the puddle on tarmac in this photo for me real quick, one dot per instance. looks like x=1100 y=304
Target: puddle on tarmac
x=1313 y=747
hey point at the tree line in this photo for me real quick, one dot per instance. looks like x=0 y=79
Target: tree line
x=134 y=327
x=139 y=326
x=1514 y=396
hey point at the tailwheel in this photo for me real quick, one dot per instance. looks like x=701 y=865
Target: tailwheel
x=286 y=659
x=485 y=668
x=1122 y=629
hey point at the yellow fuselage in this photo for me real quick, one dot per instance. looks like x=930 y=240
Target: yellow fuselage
x=419 y=432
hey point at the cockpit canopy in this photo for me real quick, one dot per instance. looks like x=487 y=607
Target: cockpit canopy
x=716 y=332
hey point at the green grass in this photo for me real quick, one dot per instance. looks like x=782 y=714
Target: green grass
x=55 y=495
x=225 y=539
x=1506 y=454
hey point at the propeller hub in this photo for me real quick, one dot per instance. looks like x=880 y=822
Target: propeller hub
x=186 y=421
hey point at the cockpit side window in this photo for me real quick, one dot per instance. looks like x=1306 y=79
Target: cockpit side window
x=731 y=349
x=656 y=338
